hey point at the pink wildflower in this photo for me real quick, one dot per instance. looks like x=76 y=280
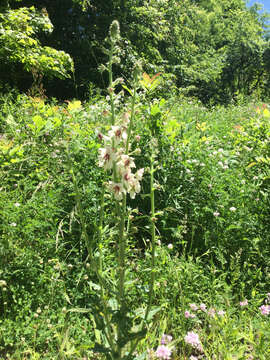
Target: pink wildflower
x=166 y=339
x=221 y=312
x=265 y=309
x=193 y=307
x=163 y=352
x=193 y=339
x=203 y=307
x=189 y=315
x=211 y=312
x=243 y=303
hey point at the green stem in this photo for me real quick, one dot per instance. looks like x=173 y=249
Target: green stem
x=153 y=235
x=111 y=84
x=131 y=116
x=122 y=252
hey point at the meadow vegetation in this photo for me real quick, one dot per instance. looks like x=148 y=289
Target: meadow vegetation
x=212 y=242
x=134 y=225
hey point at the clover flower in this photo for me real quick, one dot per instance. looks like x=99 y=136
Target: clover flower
x=193 y=307
x=203 y=307
x=163 y=352
x=189 y=315
x=193 y=339
x=265 y=309
x=165 y=339
x=243 y=303
x=211 y=312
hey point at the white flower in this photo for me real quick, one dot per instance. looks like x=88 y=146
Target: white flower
x=139 y=174
x=170 y=246
x=127 y=178
x=126 y=162
x=232 y=209
x=106 y=157
x=216 y=213
x=117 y=189
x=134 y=188
x=117 y=133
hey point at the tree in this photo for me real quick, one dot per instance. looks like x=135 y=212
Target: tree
x=19 y=44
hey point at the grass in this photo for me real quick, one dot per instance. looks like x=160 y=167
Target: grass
x=212 y=183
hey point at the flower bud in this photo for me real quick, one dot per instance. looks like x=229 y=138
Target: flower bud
x=114 y=30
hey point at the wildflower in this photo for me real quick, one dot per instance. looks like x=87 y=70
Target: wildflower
x=127 y=177
x=134 y=188
x=17 y=204
x=137 y=138
x=166 y=339
x=13 y=224
x=170 y=246
x=211 y=312
x=106 y=157
x=221 y=312
x=216 y=213
x=193 y=307
x=163 y=352
x=139 y=174
x=193 y=339
x=243 y=303
x=117 y=189
x=189 y=315
x=193 y=357
x=126 y=162
x=265 y=309
x=117 y=133
x=203 y=307
x=233 y=209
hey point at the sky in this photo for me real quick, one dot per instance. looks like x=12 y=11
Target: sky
x=265 y=3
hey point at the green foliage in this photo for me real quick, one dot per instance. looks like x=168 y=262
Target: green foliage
x=211 y=182
x=19 y=43
x=216 y=51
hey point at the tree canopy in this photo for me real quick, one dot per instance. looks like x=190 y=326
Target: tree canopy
x=213 y=49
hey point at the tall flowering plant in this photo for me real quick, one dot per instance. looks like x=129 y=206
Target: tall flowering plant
x=117 y=325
